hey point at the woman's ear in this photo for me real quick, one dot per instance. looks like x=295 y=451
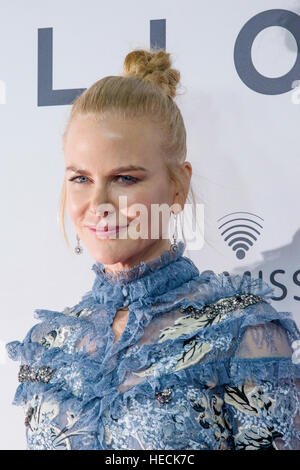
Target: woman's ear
x=188 y=169
x=182 y=188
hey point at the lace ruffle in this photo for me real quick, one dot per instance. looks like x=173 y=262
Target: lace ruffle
x=140 y=270
x=89 y=368
x=100 y=377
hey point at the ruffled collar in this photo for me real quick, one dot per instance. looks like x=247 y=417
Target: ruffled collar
x=145 y=281
x=142 y=269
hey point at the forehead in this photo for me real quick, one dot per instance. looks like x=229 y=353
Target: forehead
x=113 y=141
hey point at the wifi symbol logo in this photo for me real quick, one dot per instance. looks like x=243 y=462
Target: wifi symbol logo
x=241 y=232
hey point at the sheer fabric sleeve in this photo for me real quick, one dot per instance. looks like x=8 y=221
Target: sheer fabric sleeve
x=263 y=396
x=59 y=412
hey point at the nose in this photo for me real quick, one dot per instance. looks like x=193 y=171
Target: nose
x=100 y=204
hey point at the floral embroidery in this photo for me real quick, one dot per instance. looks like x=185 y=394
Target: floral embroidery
x=248 y=398
x=146 y=424
x=210 y=314
x=256 y=438
x=254 y=402
x=42 y=432
x=74 y=311
x=56 y=337
x=211 y=415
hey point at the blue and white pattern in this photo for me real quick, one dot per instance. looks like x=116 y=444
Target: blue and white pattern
x=205 y=362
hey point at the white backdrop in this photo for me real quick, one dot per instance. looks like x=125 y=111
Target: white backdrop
x=242 y=121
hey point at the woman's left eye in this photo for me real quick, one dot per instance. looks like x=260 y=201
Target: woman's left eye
x=132 y=180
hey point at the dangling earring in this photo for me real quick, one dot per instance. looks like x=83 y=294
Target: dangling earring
x=174 y=246
x=78 y=249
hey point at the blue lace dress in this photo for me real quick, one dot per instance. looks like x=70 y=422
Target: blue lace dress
x=203 y=363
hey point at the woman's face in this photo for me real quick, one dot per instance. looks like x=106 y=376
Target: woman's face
x=94 y=154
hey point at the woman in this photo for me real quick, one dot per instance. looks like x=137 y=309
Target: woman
x=156 y=355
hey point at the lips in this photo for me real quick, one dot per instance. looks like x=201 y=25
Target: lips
x=105 y=229
x=107 y=235
x=111 y=229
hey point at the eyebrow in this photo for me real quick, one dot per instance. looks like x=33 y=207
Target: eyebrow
x=115 y=170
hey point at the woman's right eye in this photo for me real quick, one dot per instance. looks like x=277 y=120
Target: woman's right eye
x=75 y=179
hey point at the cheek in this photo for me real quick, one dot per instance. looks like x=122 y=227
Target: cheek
x=156 y=191
x=75 y=203
x=143 y=198
x=157 y=194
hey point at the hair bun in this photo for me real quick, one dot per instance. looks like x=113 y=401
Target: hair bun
x=154 y=67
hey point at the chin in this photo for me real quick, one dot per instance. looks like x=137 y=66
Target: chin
x=113 y=251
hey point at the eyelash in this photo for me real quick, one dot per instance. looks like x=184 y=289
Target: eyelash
x=134 y=180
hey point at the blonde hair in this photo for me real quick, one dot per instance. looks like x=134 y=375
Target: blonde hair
x=145 y=91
